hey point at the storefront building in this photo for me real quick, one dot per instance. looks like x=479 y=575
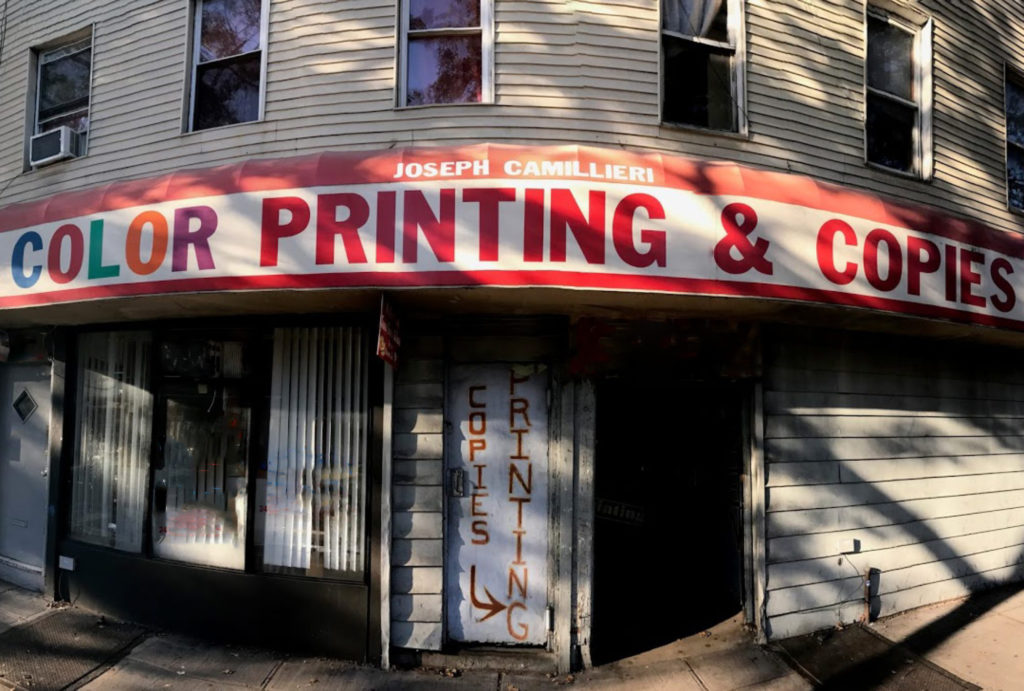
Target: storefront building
x=406 y=331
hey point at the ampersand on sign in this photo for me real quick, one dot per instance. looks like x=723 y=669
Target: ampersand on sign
x=752 y=254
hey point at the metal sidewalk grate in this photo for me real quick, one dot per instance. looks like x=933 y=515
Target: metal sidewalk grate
x=859 y=658
x=61 y=648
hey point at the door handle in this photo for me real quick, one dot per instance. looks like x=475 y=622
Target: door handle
x=457 y=483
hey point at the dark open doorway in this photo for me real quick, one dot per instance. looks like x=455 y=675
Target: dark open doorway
x=669 y=513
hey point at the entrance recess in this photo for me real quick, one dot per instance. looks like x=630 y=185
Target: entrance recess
x=25 y=421
x=497 y=549
x=668 y=512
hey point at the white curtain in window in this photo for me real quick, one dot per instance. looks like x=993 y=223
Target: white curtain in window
x=689 y=17
x=111 y=463
x=317 y=448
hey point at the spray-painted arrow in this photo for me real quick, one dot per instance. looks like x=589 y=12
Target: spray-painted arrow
x=492 y=607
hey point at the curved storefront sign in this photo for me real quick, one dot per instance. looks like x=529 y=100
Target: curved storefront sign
x=571 y=217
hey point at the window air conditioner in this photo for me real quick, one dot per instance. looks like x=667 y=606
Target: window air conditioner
x=55 y=145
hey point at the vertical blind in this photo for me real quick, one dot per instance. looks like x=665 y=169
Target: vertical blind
x=115 y=412
x=317 y=449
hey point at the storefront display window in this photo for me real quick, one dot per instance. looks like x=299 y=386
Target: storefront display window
x=314 y=487
x=114 y=421
x=201 y=477
x=222 y=418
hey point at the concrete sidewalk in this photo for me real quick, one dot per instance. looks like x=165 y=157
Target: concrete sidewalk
x=720 y=659
x=979 y=638
x=976 y=638
x=723 y=658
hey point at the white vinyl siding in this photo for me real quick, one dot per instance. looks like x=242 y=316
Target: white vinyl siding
x=908 y=452
x=578 y=73
x=417 y=502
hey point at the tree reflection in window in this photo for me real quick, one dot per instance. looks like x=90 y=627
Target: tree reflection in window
x=444 y=52
x=444 y=70
x=228 y=69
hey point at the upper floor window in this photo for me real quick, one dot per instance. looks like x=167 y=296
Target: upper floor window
x=62 y=92
x=898 y=118
x=228 y=62
x=1015 y=142
x=446 y=52
x=701 y=44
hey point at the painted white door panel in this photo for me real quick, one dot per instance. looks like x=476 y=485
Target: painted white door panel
x=497 y=547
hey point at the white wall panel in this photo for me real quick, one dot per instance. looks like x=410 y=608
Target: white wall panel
x=918 y=483
x=417 y=519
x=580 y=72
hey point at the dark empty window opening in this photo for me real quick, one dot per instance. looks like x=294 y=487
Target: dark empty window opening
x=698 y=43
x=894 y=112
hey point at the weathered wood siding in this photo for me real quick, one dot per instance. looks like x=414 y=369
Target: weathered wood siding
x=417 y=555
x=899 y=455
x=579 y=72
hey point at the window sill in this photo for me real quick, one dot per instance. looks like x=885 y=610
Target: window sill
x=471 y=104
x=30 y=169
x=739 y=135
x=906 y=175
x=221 y=128
x=1016 y=211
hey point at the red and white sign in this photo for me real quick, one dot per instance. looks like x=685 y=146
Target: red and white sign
x=570 y=217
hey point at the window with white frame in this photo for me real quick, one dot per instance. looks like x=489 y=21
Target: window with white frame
x=228 y=62
x=898 y=99
x=446 y=52
x=62 y=91
x=701 y=45
x=1015 y=141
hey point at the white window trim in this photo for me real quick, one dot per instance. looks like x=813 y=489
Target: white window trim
x=196 y=19
x=486 y=32
x=738 y=44
x=923 y=144
x=32 y=116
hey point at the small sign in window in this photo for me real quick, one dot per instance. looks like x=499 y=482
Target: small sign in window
x=24 y=405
